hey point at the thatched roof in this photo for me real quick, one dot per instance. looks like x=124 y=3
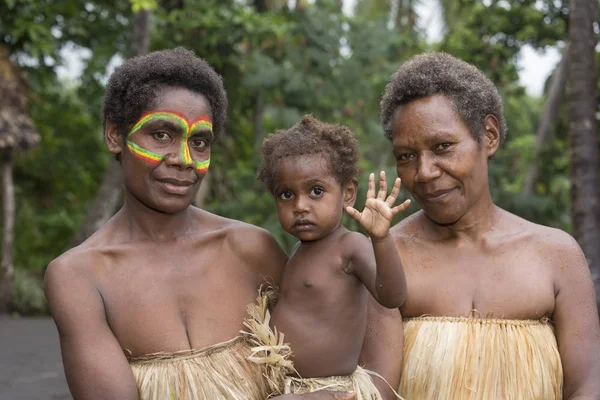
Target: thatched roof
x=16 y=128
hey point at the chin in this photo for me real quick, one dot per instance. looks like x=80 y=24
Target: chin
x=442 y=219
x=308 y=237
x=173 y=207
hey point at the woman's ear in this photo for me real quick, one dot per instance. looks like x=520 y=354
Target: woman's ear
x=350 y=190
x=113 y=140
x=491 y=135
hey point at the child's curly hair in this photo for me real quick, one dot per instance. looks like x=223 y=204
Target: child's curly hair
x=311 y=136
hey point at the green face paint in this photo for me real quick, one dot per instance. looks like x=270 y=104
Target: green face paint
x=187 y=126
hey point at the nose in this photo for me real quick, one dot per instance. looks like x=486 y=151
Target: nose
x=180 y=157
x=301 y=205
x=427 y=169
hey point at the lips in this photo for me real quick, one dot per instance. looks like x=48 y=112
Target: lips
x=437 y=195
x=176 y=186
x=303 y=225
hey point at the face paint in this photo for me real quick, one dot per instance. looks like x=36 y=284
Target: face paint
x=187 y=126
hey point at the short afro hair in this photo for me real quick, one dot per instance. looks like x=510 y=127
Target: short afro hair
x=136 y=85
x=472 y=94
x=311 y=136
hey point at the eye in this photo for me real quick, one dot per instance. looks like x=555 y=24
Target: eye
x=443 y=146
x=199 y=144
x=316 y=192
x=404 y=157
x=286 y=195
x=161 y=136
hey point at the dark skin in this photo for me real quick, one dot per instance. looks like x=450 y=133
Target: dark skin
x=142 y=283
x=325 y=286
x=463 y=253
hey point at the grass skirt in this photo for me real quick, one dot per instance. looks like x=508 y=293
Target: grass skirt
x=218 y=372
x=480 y=359
x=360 y=382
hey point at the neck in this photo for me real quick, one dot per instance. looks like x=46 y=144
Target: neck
x=144 y=223
x=477 y=221
x=339 y=228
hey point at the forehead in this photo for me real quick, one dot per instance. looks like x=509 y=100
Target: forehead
x=296 y=169
x=189 y=104
x=427 y=119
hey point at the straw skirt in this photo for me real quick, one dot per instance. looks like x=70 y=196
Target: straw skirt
x=360 y=382
x=219 y=372
x=480 y=359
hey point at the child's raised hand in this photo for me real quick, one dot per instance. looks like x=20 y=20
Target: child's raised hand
x=377 y=216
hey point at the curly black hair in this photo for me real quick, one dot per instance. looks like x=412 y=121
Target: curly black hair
x=136 y=85
x=311 y=136
x=472 y=94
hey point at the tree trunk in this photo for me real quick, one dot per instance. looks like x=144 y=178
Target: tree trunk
x=260 y=5
x=8 y=218
x=549 y=117
x=583 y=133
x=259 y=101
x=105 y=204
x=139 y=43
x=109 y=195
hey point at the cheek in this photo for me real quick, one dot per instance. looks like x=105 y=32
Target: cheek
x=282 y=212
x=406 y=178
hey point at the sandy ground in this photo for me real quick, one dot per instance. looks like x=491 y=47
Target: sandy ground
x=30 y=362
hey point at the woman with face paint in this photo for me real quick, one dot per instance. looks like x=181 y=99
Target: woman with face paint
x=151 y=306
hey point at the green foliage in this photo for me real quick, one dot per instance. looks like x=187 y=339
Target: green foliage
x=140 y=5
x=27 y=294
x=490 y=34
x=57 y=180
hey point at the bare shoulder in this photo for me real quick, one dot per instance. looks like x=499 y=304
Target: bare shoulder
x=70 y=285
x=352 y=242
x=558 y=247
x=255 y=245
x=74 y=266
x=409 y=229
x=564 y=254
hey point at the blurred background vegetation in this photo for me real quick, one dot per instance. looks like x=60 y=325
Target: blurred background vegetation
x=279 y=59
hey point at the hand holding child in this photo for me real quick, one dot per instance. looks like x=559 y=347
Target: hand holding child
x=377 y=216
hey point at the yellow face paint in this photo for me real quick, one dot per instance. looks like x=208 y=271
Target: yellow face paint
x=187 y=126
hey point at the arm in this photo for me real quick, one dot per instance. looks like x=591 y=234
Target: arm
x=382 y=347
x=576 y=323
x=380 y=269
x=94 y=363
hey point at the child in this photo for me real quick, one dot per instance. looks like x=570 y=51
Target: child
x=322 y=308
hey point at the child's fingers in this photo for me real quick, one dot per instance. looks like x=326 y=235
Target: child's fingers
x=354 y=213
x=394 y=195
x=382 y=186
x=401 y=207
x=371 y=187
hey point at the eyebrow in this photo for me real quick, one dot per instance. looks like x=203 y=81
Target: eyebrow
x=434 y=137
x=315 y=182
x=202 y=129
x=166 y=122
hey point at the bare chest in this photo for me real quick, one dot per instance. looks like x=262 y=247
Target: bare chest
x=502 y=282
x=316 y=275
x=175 y=299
